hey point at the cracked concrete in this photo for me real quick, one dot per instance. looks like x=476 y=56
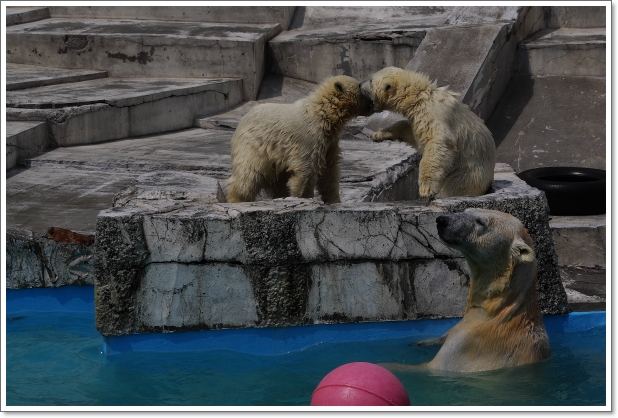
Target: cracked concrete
x=107 y=109
x=356 y=262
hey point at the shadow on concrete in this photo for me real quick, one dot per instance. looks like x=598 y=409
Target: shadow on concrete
x=298 y=19
x=516 y=96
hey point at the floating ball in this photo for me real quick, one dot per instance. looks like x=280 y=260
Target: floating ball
x=360 y=384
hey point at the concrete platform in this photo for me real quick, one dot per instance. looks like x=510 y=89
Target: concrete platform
x=20 y=76
x=551 y=121
x=564 y=51
x=146 y=48
x=111 y=108
x=25 y=139
x=236 y=14
x=19 y=15
x=293 y=261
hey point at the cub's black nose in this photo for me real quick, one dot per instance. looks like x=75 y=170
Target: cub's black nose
x=441 y=221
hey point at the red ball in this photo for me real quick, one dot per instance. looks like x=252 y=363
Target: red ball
x=360 y=384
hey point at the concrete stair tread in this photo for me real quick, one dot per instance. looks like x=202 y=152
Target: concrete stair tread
x=155 y=28
x=17 y=127
x=113 y=91
x=366 y=32
x=567 y=38
x=208 y=151
x=21 y=76
x=20 y=15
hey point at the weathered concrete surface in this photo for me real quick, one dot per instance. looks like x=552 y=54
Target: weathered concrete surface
x=314 y=55
x=576 y=16
x=585 y=287
x=19 y=15
x=24 y=139
x=20 y=76
x=274 y=89
x=34 y=261
x=565 y=51
x=145 y=48
x=328 y=17
x=111 y=108
x=580 y=241
x=551 y=121
x=294 y=261
x=217 y=14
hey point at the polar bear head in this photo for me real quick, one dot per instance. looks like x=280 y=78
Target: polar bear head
x=395 y=89
x=497 y=248
x=341 y=97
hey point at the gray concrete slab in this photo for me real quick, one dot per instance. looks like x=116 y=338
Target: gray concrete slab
x=19 y=15
x=564 y=51
x=580 y=241
x=274 y=89
x=576 y=16
x=118 y=92
x=19 y=76
x=315 y=54
x=585 y=288
x=24 y=139
x=146 y=48
x=204 y=13
x=551 y=121
x=107 y=109
x=329 y=17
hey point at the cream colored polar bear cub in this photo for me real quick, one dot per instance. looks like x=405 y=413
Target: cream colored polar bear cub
x=502 y=325
x=292 y=148
x=458 y=151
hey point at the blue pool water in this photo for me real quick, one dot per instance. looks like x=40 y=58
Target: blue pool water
x=55 y=356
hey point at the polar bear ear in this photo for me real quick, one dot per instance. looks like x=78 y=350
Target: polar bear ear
x=339 y=86
x=387 y=86
x=521 y=251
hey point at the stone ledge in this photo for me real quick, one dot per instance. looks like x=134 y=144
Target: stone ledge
x=295 y=261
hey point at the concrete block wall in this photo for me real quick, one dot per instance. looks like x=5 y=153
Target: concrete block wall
x=293 y=262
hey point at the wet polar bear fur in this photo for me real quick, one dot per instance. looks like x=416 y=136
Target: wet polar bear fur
x=502 y=325
x=458 y=150
x=292 y=148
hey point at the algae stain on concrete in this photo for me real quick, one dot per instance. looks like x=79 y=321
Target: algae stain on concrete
x=142 y=57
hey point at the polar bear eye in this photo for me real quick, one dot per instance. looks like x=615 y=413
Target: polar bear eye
x=481 y=222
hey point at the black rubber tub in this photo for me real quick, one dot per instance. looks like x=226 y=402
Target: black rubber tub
x=570 y=191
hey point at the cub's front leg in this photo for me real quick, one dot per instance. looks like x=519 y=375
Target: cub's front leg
x=398 y=131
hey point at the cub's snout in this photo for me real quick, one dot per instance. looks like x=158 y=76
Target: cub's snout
x=366 y=103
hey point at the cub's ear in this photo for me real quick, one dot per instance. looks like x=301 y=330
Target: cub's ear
x=339 y=86
x=387 y=86
x=521 y=251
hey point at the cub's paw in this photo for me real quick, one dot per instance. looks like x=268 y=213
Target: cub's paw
x=381 y=136
x=426 y=191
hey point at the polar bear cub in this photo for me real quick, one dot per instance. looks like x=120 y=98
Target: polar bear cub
x=502 y=325
x=289 y=149
x=458 y=150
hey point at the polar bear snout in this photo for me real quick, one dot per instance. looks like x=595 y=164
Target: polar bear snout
x=454 y=228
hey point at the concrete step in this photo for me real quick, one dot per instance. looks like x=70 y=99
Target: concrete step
x=19 y=76
x=315 y=54
x=19 y=15
x=24 y=139
x=146 y=48
x=564 y=51
x=366 y=170
x=576 y=16
x=215 y=14
x=114 y=108
x=580 y=241
x=551 y=121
